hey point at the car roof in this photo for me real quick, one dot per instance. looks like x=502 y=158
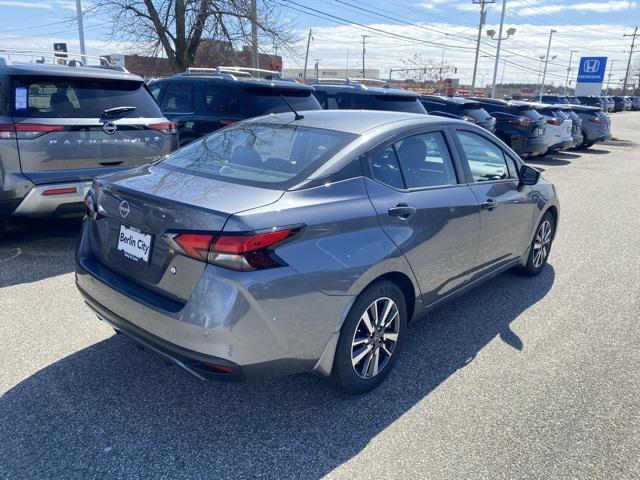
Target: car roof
x=243 y=81
x=364 y=90
x=51 y=70
x=460 y=101
x=356 y=122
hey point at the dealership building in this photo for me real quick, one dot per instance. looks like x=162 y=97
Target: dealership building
x=298 y=73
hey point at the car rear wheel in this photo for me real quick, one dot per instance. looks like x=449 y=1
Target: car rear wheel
x=540 y=246
x=370 y=338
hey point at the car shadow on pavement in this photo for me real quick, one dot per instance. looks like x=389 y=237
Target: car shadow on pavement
x=113 y=410
x=549 y=160
x=36 y=249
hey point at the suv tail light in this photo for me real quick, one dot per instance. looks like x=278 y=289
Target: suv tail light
x=554 y=121
x=168 y=128
x=242 y=251
x=25 y=131
x=596 y=120
x=522 y=121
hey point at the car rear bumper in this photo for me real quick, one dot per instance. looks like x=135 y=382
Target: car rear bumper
x=57 y=199
x=258 y=326
x=531 y=147
x=563 y=145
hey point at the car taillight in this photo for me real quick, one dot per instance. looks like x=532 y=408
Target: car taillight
x=522 y=121
x=27 y=131
x=554 y=121
x=90 y=207
x=168 y=128
x=227 y=122
x=596 y=120
x=245 y=251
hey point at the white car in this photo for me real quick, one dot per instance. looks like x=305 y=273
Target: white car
x=559 y=125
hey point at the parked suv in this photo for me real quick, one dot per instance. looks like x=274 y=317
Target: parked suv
x=552 y=99
x=596 y=125
x=459 y=108
x=591 y=101
x=621 y=104
x=518 y=125
x=353 y=96
x=201 y=101
x=60 y=126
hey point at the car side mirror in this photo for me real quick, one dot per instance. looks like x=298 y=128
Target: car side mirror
x=529 y=175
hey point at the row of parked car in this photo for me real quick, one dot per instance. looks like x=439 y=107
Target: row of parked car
x=201 y=100
x=60 y=126
x=618 y=103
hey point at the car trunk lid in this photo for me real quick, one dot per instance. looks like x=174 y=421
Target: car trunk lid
x=147 y=204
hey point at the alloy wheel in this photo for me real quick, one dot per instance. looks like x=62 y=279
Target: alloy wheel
x=541 y=244
x=375 y=338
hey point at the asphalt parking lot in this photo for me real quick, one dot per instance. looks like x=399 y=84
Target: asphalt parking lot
x=522 y=378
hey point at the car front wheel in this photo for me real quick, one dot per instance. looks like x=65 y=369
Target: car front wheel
x=370 y=339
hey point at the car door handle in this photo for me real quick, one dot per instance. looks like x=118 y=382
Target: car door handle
x=402 y=210
x=489 y=204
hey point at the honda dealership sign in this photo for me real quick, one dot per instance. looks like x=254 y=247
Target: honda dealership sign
x=591 y=75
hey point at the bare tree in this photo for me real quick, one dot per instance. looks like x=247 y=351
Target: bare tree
x=178 y=27
x=424 y=69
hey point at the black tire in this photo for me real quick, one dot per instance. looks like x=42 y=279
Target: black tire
x=3 y=227
x=344 y=372
x=535 y=264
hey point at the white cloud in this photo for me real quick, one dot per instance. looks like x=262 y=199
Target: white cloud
x=12 y=3
x=598 y=7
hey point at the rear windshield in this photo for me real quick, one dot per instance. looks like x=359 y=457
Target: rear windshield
x=266 y=155
x=532 y=114
x=261 y=101
x=55 y=97
x=477 y=113
x=394 y=103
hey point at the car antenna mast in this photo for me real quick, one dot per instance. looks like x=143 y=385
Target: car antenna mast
x=297 y=115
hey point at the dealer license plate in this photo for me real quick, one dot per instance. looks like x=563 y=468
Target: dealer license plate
x=134 y=244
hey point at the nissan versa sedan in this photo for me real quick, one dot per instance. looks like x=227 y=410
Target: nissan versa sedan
x=306 y=243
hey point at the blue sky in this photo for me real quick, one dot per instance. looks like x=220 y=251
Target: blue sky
x=441 y=27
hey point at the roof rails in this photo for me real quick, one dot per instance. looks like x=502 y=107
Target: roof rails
x=337 y=81
x=70 y=59
x=233 y=73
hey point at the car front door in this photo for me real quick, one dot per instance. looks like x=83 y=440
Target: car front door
x=427 y=212
x=507 y=207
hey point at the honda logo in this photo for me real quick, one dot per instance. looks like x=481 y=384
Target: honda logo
x=124 y=209
x=109 y=128
x=591 y=66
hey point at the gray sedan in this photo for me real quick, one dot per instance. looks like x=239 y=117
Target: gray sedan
x=307 y=243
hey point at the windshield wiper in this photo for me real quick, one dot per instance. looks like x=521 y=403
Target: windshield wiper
x=116 y=111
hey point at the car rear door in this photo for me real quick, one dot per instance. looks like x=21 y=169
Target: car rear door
x=66 y=132
x=507 y=208
x=431 y=216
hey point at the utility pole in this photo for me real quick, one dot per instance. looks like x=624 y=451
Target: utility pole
x=306 y=58
x=83 y=51
x=566 y=83
x=606 y=91
x=495 y=67
x=633 y=44
x=347 y=63
x=546 y=62
x=317 y=68
x=254 y=34
x=483 y=16
x=364 y=37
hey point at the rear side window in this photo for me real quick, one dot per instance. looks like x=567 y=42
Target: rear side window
x=267 y=155
x=54 y=97
x=486 y=160
x=425 y=161
x=261 y=101
x=385 y=167
x=177 y=98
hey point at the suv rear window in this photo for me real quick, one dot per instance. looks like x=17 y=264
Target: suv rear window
x=266 y=155
x=59 y=97
x=260 y=101
x=393 y=103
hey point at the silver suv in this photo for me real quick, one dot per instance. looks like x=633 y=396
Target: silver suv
x=60 y=126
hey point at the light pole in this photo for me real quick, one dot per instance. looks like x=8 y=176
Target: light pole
x=543 y=58
x=364 y=38
x=483 y=16
x=546 y=62
x=83 y=51
x=491 y=33
x=566 y=83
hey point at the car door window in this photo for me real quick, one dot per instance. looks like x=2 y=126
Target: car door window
x=177 y=98
x=155 y=91
x=486 y=160
x=385 y=168
x=425 y=161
